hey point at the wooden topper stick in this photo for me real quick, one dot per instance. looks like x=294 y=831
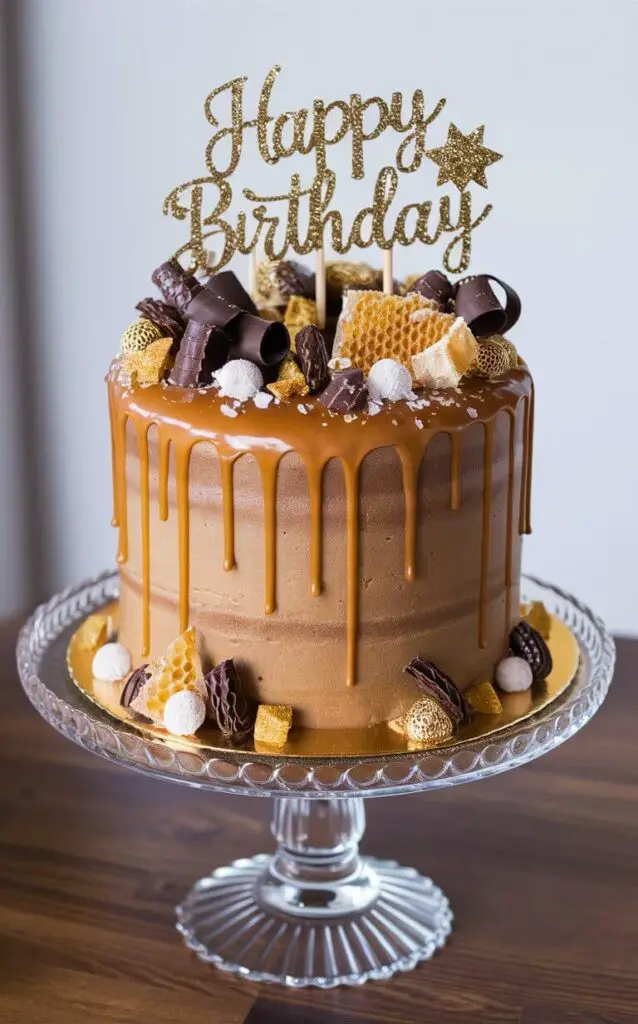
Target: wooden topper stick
x=320 y=287
x=252 y=275
x=388 y=276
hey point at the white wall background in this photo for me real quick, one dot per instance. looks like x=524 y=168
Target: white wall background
x=112 y=113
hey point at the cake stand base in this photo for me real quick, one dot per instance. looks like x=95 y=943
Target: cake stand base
x=315 y=913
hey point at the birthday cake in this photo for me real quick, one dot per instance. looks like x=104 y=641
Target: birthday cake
x=321 y=486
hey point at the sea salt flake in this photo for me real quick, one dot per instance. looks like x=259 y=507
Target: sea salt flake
x=228 y=410
x=419 y=423
x=263 y=399
x=472 y=412
x=303 y=408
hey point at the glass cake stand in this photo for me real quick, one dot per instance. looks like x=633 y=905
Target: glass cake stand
x=315 y=912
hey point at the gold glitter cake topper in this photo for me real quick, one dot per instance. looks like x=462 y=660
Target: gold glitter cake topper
x=205 y=201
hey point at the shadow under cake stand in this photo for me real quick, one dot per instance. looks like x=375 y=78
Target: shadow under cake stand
x=315 y=912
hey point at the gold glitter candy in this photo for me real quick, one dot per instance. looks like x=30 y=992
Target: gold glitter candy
x=299 y=313
x=150 y=365
x=272 y=724
x=539 y=618
x=290 y=382
x=139 y=336
x=463 y=158
x=93 y=633
x=484 y=699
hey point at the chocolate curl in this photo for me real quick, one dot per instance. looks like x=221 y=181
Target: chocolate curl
x=228 y=286
x=163 y=316
x=292 y=278
x=262 y=342
x=480 y=308
x=435 y=286
x=190 y=357
x=177 y=287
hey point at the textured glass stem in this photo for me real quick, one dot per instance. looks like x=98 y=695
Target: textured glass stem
x=316 y=868
x=318 y=840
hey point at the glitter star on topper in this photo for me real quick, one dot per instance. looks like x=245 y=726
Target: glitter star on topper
x=463 y=158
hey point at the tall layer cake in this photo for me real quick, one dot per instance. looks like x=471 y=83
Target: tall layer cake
x=304 y=525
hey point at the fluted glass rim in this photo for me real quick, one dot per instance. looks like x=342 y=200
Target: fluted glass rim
x=48 y=687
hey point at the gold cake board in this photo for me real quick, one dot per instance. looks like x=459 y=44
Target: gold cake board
x=340 y=743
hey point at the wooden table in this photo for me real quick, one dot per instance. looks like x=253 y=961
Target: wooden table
x=541 y=866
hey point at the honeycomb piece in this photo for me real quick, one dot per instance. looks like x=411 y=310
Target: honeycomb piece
x=290 y=381
x=177 y=669
x=492 y=358
x=375 y=326
x=139 y=336
x=442 y=364
x=272 y=724
x=484 y=699
x=93 y=633
x=300 y=312
x=151 y=365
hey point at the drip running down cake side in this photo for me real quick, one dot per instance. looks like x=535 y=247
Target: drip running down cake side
x=318 y=522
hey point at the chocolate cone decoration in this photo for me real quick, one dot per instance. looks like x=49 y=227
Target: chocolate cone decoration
x=480 y=308
x=177 y=287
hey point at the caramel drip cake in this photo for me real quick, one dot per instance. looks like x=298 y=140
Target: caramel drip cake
x=313 y=521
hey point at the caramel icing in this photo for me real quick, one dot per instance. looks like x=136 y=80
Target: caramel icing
x=185 y=418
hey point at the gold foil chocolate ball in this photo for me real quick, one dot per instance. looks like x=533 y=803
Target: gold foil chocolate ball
x=139 y=336
x=492 y=358
x=342 y=275
x=426 y=721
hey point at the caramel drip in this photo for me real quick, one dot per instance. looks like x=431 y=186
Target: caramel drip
x=142 y=447
x=226 y=464
x=269 y=466
x=411 y=457
x=526 y=474
x=182 y=464
x=163 y=453
x=509 y=529
x=115 y=521
x=351 y=472
x=529 y=447
x=268 y=437
x=119 y=460
x=315 y=488
x=487 y=530
x=455 y=473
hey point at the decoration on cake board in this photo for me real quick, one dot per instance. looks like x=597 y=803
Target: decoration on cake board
x=330 y=745
x=205 y=201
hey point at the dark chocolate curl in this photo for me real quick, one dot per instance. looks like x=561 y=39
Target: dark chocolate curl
x=228 y=286
x=435 y=285
x=177 y=287
x=312 y=356
x=190 y=357
x=346 y=392
x=263 y=342
x=480 y=308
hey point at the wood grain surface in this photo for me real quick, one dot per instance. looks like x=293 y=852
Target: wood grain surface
x=540 y=864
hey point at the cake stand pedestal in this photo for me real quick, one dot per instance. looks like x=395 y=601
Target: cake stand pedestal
x=315 y=912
